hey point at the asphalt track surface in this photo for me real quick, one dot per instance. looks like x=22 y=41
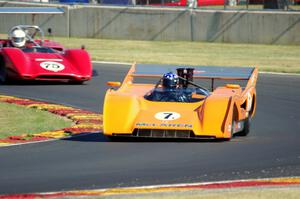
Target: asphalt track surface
x=272 y=148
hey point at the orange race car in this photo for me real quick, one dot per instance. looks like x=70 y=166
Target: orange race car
x=176 y=106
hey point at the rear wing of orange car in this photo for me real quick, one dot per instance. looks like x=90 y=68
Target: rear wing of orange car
x=213 y=73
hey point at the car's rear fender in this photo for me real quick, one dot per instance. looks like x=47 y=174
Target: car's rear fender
x=246 y=105
x=251 y=101
x=253 y=106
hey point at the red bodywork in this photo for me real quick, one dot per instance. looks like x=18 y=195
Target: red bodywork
x=185 y=3
x=50 y=62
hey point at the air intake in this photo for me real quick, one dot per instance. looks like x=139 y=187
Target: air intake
x=161 y=133
x=55 y=77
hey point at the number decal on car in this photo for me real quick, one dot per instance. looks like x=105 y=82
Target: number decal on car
x=52 y=66
x=167 y=116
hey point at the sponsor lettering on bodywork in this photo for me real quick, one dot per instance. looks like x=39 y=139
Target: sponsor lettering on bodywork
x=142 y=124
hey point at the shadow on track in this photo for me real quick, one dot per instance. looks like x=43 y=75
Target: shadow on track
x=99 y=137
x=88 y=137
x=11 y=82
x=39 y=83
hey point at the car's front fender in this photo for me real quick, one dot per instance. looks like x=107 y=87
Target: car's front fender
x=16 y=60
x=119 y=113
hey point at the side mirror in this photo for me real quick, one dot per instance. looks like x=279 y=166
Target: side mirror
x=233 y=86
x=113 y=84
x=197 y=96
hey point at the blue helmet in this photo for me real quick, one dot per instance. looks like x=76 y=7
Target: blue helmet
x=169 y=80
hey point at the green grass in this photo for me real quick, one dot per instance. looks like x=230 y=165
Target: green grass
x=17 y=120
x=254 y=193
x=275 y=58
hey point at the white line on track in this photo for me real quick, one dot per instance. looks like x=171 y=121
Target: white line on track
x=110 y=62
x=49 y=140
x=180 y=184
x=33 y=142
x=277 y=73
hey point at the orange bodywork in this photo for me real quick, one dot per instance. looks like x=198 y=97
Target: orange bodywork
x=216 y=116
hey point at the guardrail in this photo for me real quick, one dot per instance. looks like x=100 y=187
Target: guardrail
x=287 y=5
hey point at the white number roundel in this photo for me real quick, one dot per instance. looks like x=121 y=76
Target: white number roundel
x=167 y=116
x=52 y=66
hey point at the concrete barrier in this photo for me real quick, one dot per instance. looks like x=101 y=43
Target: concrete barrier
x=58 y=22
x=130 y=23
x=247 y=27
x=136 y=23
x=44 y=21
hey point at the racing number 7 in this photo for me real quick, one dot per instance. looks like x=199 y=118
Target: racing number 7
x=167 y=115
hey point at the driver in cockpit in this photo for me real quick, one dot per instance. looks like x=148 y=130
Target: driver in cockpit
x=17 y=38
x=176 y=88
x=169 y=92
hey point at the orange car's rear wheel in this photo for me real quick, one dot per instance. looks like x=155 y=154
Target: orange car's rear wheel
x=232 y=124
x=246 y=129
x=231 y=131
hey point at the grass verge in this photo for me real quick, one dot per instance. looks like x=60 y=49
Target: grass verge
x=275 y=58
x=17 y=120
x=246 y=193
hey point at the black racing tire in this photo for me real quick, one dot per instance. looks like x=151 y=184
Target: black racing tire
x=112 y=138
x=2 y=73
x=232 y=128
x=76 y=82
x=231 y=133
x=246 y=129
x=232 y=123
x=2 y=78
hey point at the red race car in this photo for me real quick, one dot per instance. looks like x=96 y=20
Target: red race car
x=198 y=3
x=24 y=58
x=262 y=1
